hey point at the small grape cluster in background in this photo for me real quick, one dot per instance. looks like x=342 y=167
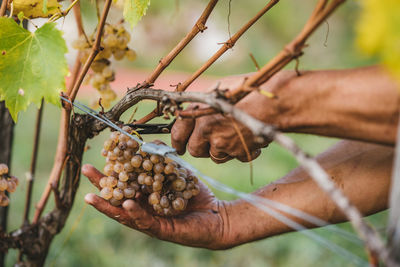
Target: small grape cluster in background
x=129 y=171
x=114 y=42
x=7 y=183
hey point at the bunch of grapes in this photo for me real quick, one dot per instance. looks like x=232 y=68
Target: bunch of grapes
x=114 y=42
x=7 y=183
x=129 y=171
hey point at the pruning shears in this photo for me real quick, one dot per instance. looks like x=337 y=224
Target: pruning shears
x=156 y=128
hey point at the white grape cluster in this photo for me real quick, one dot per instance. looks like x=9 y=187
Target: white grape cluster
x=114 y=42
x=130 y=171
x=7 y=183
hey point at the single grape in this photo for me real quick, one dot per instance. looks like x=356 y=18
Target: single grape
x=118 y=167
x=111 y=181
x=141 y=178
x=129 y=192
x=168 y=160
x=187 y=194
x=128 y=167
x=103 y=182
x=136 y=161
x=122 y=185
x=4 y=201
x=3 y=184
x=123 y=176
x=157 y=186
x=107 y=71
x=158 y=168
x=123 y=138
x=155 y=158
x=108 y=169
x=196 y=190
x=133 y=145
x=159 y=177
x=148 y=180
x=179 y=184
x=154 y=198
x=115 y=202
x=111 y=155
x=118 y=194
x=110 y=40
x=117 y=151
x=122 y=146
x=99 y=65
x=171 y=177
x=164 y=202
x=119 y=54
x=147 y=165
x=178 y=204
x=109 y=145
x=169 y=168
x=130 y=54
x=128 y=154
x=114 y=136
x=106 y=193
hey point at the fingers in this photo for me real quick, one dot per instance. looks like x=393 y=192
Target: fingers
x=93 y=174
x=218 y=156
x=253 y=155
x=105 y=207
x=198 y=145
x=180 y=134
x=142 y=218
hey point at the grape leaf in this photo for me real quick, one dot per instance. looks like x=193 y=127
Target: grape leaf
x=378 y=32
x=32 y=65
x=134 y=10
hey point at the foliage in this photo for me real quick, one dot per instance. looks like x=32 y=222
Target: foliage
x=32 y=65
x=378 y=32
x=134 y=10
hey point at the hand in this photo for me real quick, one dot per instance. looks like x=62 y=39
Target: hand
x=201 y=225
x=217 y=136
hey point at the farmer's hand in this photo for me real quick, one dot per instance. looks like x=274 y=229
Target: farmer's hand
x=217 y=136
x=201 y=225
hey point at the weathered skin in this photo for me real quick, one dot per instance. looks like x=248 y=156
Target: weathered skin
x=359 y=104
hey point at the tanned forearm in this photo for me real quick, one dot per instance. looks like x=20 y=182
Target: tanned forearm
x=359 y=104
x=361 y=170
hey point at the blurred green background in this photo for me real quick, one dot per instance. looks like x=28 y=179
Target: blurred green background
x=91 y=239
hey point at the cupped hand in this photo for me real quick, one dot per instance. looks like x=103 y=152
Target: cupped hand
x=216 y=136
x=200 y=225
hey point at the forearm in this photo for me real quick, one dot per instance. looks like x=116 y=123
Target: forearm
x=360 y=104
x=361 y=170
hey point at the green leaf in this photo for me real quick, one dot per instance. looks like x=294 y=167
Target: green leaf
x=32 y=65
x=134 y=10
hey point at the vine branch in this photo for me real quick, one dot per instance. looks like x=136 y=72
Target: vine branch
x=65 y=117
x=227 y=45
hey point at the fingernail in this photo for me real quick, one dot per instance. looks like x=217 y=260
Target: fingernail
x=89 y=198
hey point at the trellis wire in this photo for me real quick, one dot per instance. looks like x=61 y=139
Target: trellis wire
x=266 y=205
